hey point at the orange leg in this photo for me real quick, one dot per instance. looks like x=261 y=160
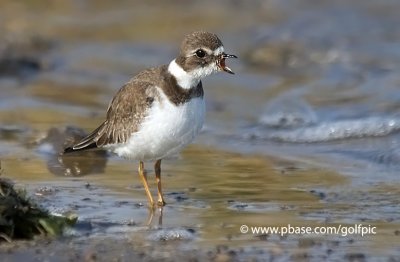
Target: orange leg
x=144 y=181
x=157 y=169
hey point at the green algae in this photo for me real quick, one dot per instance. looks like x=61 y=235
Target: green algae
x=21 y=218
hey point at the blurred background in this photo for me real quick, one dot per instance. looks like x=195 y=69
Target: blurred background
x=306 y=130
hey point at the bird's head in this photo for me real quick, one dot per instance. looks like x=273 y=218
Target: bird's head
x=201 y=54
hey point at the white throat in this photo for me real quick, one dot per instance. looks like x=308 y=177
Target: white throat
x=190 y=79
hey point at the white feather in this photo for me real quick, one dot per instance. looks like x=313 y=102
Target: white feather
x=190 y=79
x=219 y=51
x=165 y=131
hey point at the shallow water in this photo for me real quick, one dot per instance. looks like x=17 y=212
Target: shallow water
x=305 y=133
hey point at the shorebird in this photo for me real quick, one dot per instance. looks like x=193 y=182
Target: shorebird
x=161 y=109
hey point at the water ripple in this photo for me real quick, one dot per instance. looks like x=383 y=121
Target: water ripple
x=329 y=131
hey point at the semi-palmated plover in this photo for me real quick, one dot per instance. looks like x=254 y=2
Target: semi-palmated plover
x=160 y=110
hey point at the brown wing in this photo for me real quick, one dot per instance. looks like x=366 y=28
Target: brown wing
x=124 y=115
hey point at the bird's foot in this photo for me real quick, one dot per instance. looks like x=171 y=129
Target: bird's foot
x=161 y=203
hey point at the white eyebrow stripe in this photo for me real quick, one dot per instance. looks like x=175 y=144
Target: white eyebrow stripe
x=208 y=50
x=216 y=52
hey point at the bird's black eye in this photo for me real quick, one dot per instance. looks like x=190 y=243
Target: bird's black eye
x=200 y=53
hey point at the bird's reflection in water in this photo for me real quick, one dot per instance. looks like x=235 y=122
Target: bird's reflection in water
x=81 y=163
x=77 y=164
x=151 y=218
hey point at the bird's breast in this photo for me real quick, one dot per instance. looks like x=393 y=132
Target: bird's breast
x=166 y=129
x=178 y=121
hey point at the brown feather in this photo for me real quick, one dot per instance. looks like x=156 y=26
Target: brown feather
x=131 y=104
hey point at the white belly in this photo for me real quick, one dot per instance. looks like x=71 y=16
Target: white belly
x=165 y=131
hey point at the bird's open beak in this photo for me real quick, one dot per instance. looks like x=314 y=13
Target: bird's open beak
x=222 y=65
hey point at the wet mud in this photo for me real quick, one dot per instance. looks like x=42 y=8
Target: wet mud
x=305 y=134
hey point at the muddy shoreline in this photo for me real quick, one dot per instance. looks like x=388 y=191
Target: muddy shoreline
x=306 y=133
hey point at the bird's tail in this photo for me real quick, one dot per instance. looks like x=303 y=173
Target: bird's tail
x=72 y=149
x=86 y=143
